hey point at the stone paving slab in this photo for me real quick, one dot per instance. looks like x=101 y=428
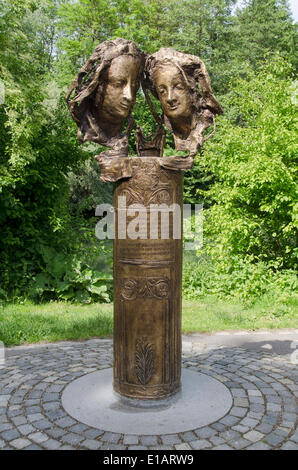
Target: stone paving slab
x=263 y=385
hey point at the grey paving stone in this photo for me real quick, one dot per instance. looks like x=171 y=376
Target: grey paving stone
x=137 y=448
x=259 y=446
x=65 y=422
x=149 y=440
x=32 y=410
x=200 y=444
x=20 y=443
x=289 y=417
x=56 y=432
x=290 y=445
x=219 y=426
x=13 y=413
x=33 y=447
x=72 y=438
x=91 y=444
x=253 y=436
x=10 y=435
x=205 y=432
x=34 y=417
x=93 y=433
x=238 y=411
x=78 y=428
x=229 y=420
x=273 y=439
x=38 y=437
x=5 y=426
x=216 y=440
x=270 y=419
x=240 y=428
x=188 y=436
x=239 y=443
x=19 y=420
x=229 y=434
x=264 y=427
x=242 y=402
x=50 y=397
x=26 y=429
x=170 y=439
x=249 y=422
x=43 y=424
x=51 y=406
x=52 y=444
x=282 y=431
x=160 y=447
x=111 y=437
x=55 y=414
x=130 y=439
x=184 y=446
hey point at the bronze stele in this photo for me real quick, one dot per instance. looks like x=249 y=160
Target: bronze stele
x=148 y=199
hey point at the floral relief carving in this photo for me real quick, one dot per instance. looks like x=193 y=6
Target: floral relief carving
x=145 y=359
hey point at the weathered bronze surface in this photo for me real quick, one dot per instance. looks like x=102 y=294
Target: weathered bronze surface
x=173 y=77
x=147 y=292
x=105 y=92
x=147 y=266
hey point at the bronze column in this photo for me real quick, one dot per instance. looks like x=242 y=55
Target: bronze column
x=147 y=280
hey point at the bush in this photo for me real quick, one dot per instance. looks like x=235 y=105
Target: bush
x=254 y=161
x=238 y=279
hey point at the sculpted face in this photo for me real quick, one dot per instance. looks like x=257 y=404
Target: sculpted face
x=121 y=89
x=173 y=92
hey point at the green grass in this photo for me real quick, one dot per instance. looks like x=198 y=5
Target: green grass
x=54 y=321
x=58 y=321
x=213 y=315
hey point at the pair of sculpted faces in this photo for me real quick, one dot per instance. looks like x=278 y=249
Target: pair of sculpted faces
x=105 y=92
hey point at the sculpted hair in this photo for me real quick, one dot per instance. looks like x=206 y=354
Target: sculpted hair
x=193 y=72
x=86 y=92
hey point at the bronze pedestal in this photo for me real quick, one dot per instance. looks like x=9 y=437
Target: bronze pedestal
x=147 y=279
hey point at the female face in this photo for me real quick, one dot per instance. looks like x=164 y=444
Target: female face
x=173 y=92
x=121 y=89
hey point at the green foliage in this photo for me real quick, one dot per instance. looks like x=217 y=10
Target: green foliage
x=38 y=147
x=69 y=278
x=254 y=160
x=245 y=176
x=86 y=190
x=264 y=26
x=239 y=279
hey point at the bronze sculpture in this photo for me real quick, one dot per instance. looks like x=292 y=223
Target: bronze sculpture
x=105 y=92
x=173 y=77
x=147 y=270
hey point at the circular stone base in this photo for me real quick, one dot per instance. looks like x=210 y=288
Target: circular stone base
x=91 y=400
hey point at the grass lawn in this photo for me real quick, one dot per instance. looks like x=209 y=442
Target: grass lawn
x=56 y=321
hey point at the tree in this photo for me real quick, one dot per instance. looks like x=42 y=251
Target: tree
x=265 y=26
x=37 y=145
x=254 y=160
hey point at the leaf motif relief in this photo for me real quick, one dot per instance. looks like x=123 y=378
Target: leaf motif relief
x=144 y=361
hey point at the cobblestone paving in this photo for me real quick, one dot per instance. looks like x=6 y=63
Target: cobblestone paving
x=263 y=386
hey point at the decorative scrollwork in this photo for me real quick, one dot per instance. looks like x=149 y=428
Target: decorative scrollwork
x=145 y=359
x=152 y=288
